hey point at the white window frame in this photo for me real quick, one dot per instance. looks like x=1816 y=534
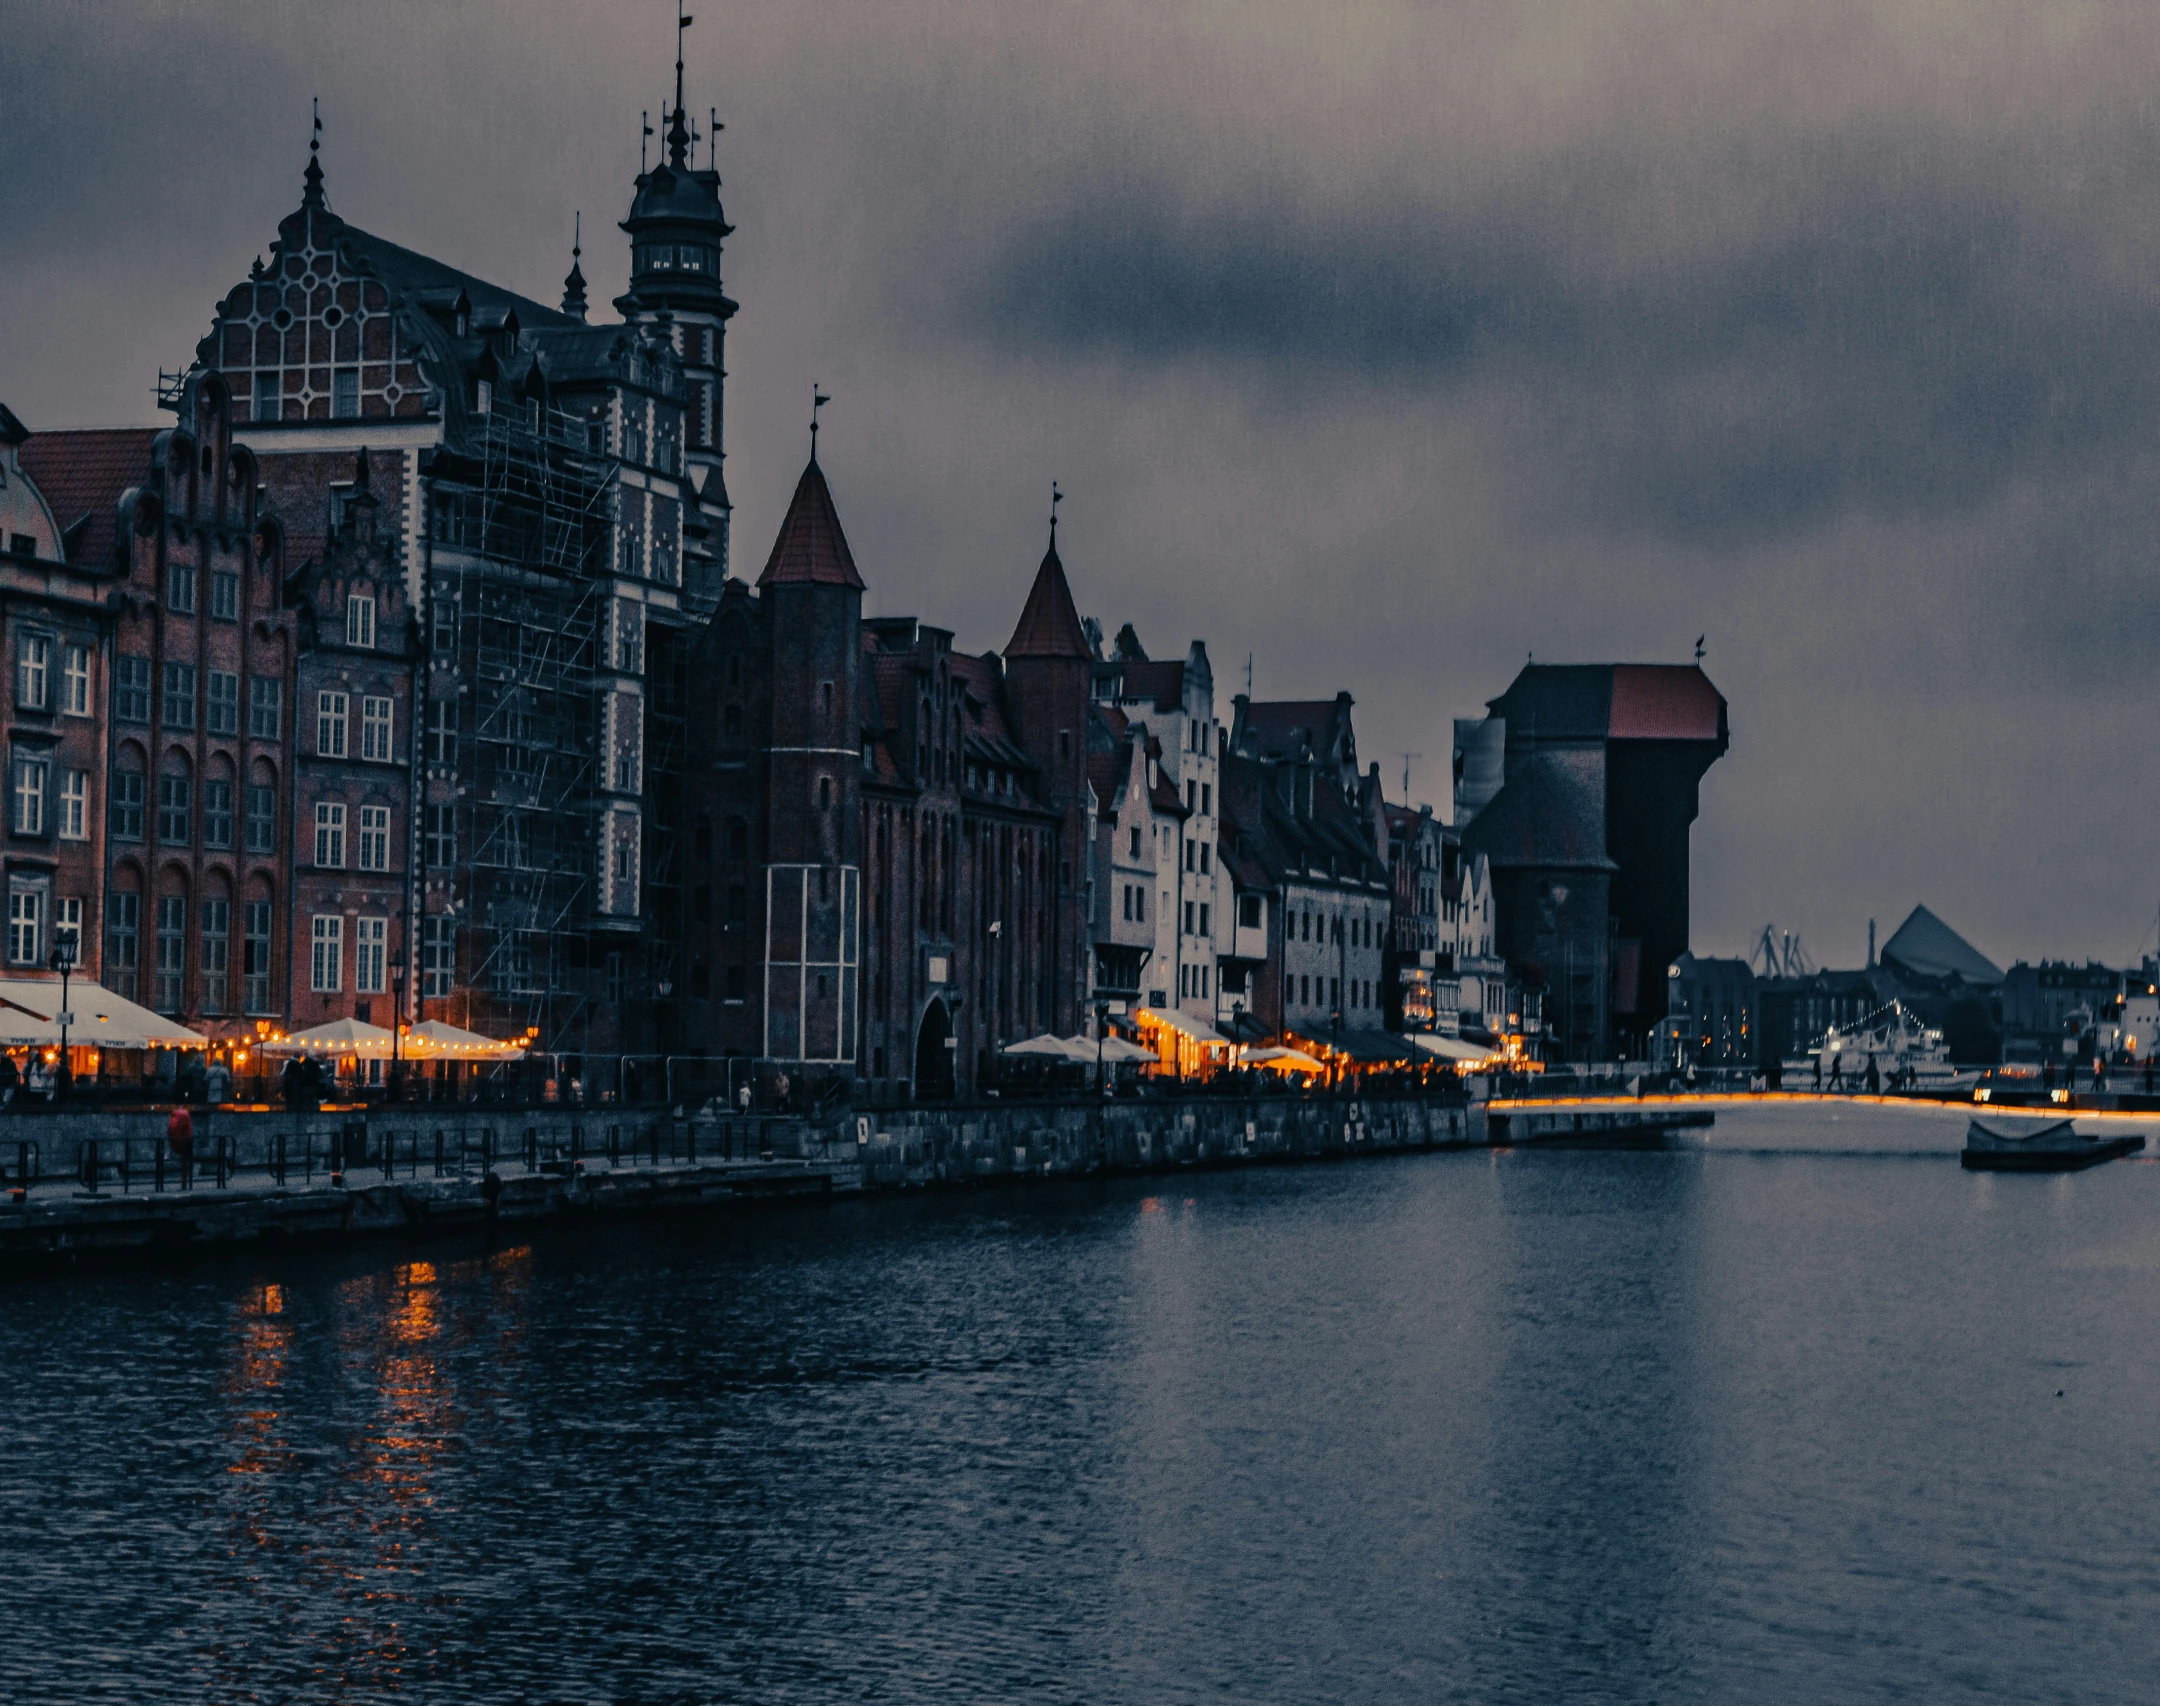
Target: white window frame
x=360 y=621
x=26 y=926
x=26 y=807
x=326 y=957
x=372 y=838
x=75 y=682
x=371 y=956
x=67 y=926
x=33 y=673
x=377 y=719
x=331 y=713
x=329 y=835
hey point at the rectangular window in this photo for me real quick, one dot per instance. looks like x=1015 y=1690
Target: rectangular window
x=224 y=703
x=224 y=596
x=1188 y=918
x=75 y=682
x=330 y=711
x=442 y=731
x=255 y=957
x=444 y=616
x=123 y=925
x=266 y=397
x=441 y=848
x=374 y=838
x=629 y=636
x=180 y=588
x=375 y=717
x=172 y=811
x=266 y=708
x=326 y=959
x=329 y=836
x=33 y=673
x=179 y=696
x=216 y=953
x=370 y=947
x=26 y=925
x=345 y=394
x=127 y=805
x=131 y=689
x=217 y=813
x=67 y=930
x=360 y=621
x=1203 y=920
x=438 y=947
x=261 y=819
x=171 y=953
x=28 y=814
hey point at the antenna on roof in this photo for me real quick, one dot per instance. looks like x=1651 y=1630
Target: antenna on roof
x=1406 y=757
x=645 y=124
x=818 y=400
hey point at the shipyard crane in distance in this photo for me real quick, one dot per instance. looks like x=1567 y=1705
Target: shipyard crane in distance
x=1780 y=956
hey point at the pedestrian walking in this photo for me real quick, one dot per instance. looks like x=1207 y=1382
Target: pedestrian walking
x=180 y=1139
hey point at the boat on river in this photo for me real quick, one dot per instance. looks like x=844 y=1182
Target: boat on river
x=2056 y=1147
x=1907 y=1053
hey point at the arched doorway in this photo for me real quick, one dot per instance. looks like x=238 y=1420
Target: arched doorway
x=933 y=1059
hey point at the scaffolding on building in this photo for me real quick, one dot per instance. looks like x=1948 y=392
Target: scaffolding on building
x=534 y=535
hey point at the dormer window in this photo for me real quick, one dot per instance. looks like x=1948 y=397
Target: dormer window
x=360 y=622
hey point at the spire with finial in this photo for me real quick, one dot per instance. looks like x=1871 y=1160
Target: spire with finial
x=573 y=287
x=1056 y=497
x=678 y=136
x=314 y=195
x=818 y=400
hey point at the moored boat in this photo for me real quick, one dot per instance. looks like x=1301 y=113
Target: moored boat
x=2056 y=1147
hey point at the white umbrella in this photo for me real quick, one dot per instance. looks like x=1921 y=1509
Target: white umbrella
x=1044 y=1047
x=339 y=1036
x=436 y=1040
x=1116 y=1051
x=1283 y=1059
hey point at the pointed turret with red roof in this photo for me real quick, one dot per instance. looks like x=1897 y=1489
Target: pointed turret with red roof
x=1049 y=685
x=811 y=548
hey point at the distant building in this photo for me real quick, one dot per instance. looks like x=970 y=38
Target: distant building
x=1711 y=1013
x=1587 y=837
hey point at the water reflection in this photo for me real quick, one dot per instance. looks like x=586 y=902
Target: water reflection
x=1585 y=1427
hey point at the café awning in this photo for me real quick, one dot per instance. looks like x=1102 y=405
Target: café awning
x=1044 y=1047
x=1198 y=1030
x=30 y=1013
x=1455 y=1050
x=1282 y=1060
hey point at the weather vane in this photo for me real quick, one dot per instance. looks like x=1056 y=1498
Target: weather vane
x=1056 y=497
x=818 y=400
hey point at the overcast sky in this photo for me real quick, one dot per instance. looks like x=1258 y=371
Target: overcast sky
x=1387 y=344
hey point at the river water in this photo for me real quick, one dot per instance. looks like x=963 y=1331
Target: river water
x=1797 y=1415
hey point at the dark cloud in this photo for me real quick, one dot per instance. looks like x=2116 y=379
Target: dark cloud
x=1382 y=344
x=1895 y=330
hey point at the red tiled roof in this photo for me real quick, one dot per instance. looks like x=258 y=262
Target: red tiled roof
x=1049 y=623
x=892 y=671
x=811 y=549
x=1105 y=771
x=84 y=473
x=1658 y=701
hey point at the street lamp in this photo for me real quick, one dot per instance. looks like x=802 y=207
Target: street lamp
x=397 y=1031
x=62 y=961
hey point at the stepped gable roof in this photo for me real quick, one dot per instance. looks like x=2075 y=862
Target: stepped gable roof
x=1612 y=701
x=1546 y=817
x=1049 y=624
x=811 y=549
x=1927 y=947
x=83 y=475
